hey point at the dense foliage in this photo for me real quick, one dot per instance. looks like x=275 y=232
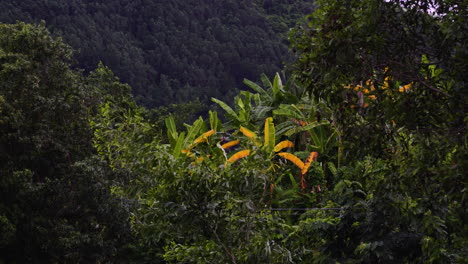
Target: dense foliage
x=358 y=156
x=171 y=51
x=55 y=200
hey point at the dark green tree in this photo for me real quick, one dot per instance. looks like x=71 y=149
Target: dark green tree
x=403 y=125
x=55 y=199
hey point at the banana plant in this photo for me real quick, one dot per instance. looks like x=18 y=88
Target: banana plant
x=296 y=113
x=184 y=141
x=276 y=92
x=265 y=100
x=242 y=115
x=300 y=119
x=266 y=146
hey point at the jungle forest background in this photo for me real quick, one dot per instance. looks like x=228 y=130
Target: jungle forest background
x=171 y=51
x=253 y=131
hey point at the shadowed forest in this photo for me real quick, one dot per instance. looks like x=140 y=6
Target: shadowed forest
x=171 y=51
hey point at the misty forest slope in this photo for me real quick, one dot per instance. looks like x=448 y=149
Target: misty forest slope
x=171 y=51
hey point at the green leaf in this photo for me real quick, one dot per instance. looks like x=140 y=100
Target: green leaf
x=283 y=127
x=290 y=111
x=305 y=128
x=332 y=168
x=171 y=130
x=215 y=123
x=257 y=99
x=266 y=82
x=193 y=131
x=257 y=88
x=226 y=108
x=291 y=82
x=293 y=181
x=277 y=86
x=178 y=147
x=261 y=111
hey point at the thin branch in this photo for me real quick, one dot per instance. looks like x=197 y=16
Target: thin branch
x=224 y=247
x=431 y=87
x=412 y=73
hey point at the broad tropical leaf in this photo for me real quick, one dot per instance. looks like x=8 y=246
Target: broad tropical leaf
x=230 y=144
x=294 y=159
x=193 y=130
x=204 y=137
x=261 y=112
x=277 y=86
x=266 y=82
x=226 y=108
x=269 y=133
x=171 y=130
x=179 y=144
x=305 y=128
x=289 y=110
x=257 y=88
x=215 y=123
x=282 y=145
x=312 y=157
x=248 y=133
x=281 y=128
x=239 y=155
x=244 y=106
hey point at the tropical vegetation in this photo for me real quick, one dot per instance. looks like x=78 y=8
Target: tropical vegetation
x=358 y=155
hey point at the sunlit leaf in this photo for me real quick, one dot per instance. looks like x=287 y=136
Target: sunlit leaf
x=239 y=155
x=179 y=144
x=230 y=144
x=291 y=157
x=269 y=133
x=204 y=136
x=248 y=133
x=282 y=145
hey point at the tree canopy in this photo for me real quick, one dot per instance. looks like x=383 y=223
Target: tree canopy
x=55 y=199
x=171 y=51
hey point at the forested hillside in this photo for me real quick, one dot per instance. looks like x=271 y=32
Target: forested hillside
x=357 y=155
x=171 y=51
